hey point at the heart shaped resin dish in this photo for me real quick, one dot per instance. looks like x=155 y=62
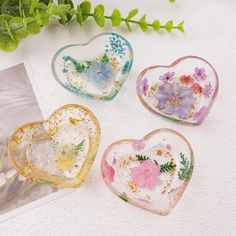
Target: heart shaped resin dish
x=151 y=173
x=60 y=150
x=184 y=91
x=96 y=69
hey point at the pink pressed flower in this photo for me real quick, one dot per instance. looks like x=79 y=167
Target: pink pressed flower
x=168 y=76
x=108 y=172
x=198 y=116
x=146 y=175
x=138 y=145
x=200 y=74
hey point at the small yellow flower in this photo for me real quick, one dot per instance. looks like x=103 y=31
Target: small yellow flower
x=66 y=162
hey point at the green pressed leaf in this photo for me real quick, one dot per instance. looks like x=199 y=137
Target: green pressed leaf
x=116 y=18
x=18 y=27
x=32 y=26
x=132 y=14
x=156 y=25
x=99 y=15
x=85 y=10
x=143 y=24
x=6 y=42
x=169 y=26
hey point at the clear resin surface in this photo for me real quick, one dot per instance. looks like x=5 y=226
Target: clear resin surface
x=184 y=91
x=60 y=150
x=151 y=173
x=96 y=69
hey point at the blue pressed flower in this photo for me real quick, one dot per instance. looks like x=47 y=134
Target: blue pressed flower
x=100 y=73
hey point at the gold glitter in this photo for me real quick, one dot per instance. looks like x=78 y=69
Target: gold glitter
x=73 y=121
x=132 y=186
x=159 y=152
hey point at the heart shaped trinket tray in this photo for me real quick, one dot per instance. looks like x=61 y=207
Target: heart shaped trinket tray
x=96 y=69
x=60 y=150
x=184 y=91
x=151 y=173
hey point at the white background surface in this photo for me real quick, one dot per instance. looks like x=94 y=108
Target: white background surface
x=208 y=207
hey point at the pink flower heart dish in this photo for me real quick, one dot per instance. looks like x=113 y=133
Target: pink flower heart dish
x=150 y=173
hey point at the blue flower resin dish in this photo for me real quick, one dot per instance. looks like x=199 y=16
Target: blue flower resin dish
x=96 y=69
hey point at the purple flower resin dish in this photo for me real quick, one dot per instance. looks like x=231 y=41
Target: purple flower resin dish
x=184 y=91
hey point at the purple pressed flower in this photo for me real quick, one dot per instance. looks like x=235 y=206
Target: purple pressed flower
x=168 y=76
x=207 y=90
x=198 y=116
x=200 y=74
x=173 y=99
x=143 y=84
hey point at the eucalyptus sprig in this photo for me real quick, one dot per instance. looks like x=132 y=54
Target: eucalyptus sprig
x=19 y=18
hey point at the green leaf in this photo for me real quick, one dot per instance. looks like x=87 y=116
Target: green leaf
x=181 y=26
x=169 y=26
x=99 y=15
x=33 y=4
x=64 y=7
x=132 y=14
x=143 y=24
x=128 y=26
x=6 y=42
x=79 y=16
x=156 y=25
x=116 y=18
x=32 y=26
x=17 y=25
x=85 y=9
x=9 y=31
x=38 y=18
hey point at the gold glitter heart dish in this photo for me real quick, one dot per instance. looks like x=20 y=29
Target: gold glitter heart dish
x=60 y=150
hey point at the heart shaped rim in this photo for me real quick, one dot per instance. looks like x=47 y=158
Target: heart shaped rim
x=215 y=92
x=117 y=87
x=44 y=177
x=146 y=138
